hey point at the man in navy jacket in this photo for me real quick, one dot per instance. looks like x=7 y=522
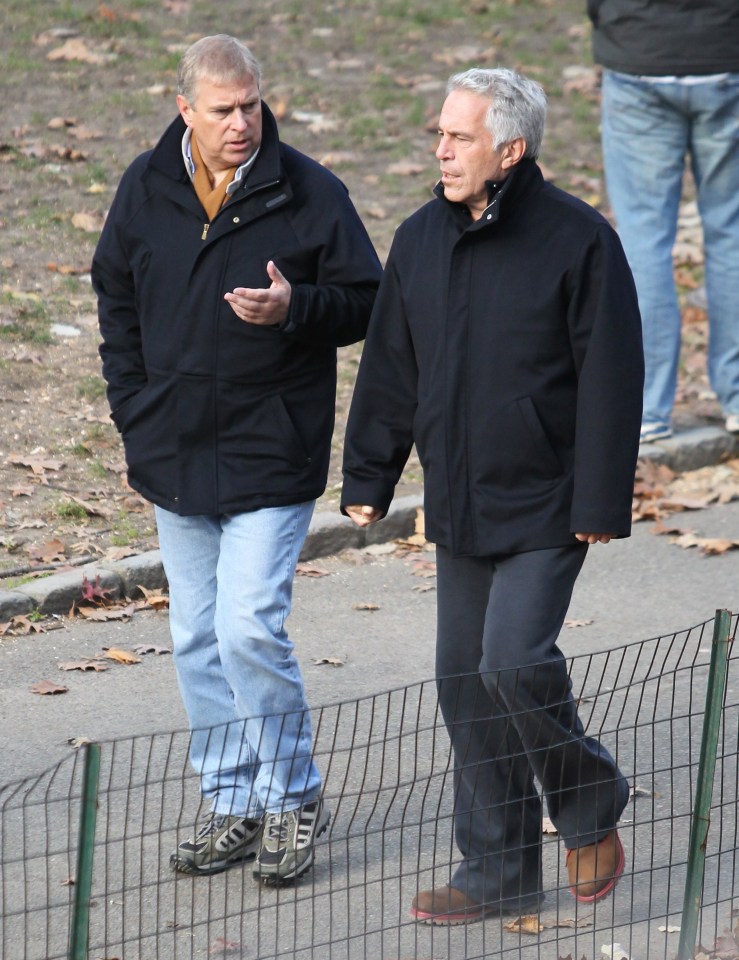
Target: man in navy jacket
x=505 y=343
x=229 y=270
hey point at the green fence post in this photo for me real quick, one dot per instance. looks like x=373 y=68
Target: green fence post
x=704 y=789
x=80 y=924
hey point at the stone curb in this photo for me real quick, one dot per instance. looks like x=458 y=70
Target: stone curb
x=329 y=533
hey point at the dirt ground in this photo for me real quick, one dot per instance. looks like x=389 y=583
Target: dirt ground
x=87 y=86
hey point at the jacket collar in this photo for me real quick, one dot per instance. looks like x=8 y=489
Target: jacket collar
x=523 y=179
x=166 y=156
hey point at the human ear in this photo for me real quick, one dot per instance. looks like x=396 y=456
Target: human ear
x=185 y=109
x=513 y=153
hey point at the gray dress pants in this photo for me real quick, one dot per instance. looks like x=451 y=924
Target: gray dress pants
x=505 y=695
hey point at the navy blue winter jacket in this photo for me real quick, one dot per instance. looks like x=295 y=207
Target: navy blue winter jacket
x=218 y=415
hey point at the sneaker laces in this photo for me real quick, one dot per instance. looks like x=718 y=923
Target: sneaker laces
x=213 y=823
x=277 y=830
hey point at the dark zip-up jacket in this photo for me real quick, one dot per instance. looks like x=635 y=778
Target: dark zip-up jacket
x=666 y=37
x=218 y=415
x=509 y=350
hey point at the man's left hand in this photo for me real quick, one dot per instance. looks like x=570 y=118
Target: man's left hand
x=594 y=537
x=266 y=307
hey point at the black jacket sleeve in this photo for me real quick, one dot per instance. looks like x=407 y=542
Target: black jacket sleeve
x=379 y=435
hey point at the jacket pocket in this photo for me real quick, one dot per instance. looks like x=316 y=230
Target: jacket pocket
x=147 y=422
x=540 y=443
x=258 y=429
x=511 y=451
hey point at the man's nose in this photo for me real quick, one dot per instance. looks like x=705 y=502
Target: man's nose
x=443 y=149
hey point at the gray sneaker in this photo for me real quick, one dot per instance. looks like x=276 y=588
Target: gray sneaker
x=221 y=842
x=287 y=842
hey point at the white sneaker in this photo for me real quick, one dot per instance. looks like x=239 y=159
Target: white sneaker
x=732 y=422
x=654 y=431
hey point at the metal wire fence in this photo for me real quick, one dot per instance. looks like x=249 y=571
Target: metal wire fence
x=387 y=773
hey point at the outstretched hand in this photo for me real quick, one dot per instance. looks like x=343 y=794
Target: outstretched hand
x=266 y=306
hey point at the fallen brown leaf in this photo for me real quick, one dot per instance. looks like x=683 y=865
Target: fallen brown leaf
x=526 y=924
x=533 y=924
x=308 y=570
x=329 y=661
x=48 y=688
x=92 y=509
x=105 y=614
x=20 y=625
x=52 y=550
x=120 y=656
x=144 y=648
x=155 y=598
x=89 y=222
x=84 y=665
x=77 y=49
x=37 y=465
x=365 y=606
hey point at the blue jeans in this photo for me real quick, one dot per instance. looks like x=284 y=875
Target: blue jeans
x=648 y=129
x=230 y=581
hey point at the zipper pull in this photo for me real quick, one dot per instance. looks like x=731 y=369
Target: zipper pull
x=205 y=231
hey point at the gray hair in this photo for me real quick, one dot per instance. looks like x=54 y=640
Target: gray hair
x=219 y=58
x=518 y=105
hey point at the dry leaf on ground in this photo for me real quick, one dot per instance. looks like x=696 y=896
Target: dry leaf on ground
x=48 y=687
x=145 y=648
x=120 y=656
x=330 y=662
x=20 y=625
x=155 y=598
x=309 y=570
x=84 y=665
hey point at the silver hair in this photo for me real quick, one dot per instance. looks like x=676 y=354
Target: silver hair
x=220 y=58
x=518 y=106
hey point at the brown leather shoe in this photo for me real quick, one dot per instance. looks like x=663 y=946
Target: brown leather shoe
x=445 y=906
x=594 y=870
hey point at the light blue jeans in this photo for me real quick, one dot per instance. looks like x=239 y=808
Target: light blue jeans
x=230 y=581
x=648 y=130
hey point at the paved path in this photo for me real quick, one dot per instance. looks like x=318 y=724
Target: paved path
x=631 y=590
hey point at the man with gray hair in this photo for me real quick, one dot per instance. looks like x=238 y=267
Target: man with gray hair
x=505 y=343
x=229 y=270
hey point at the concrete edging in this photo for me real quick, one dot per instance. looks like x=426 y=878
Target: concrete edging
x=329 y=533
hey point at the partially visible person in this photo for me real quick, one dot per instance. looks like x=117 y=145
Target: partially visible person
x=505 y=342
x=230 y=268
x=671 y=91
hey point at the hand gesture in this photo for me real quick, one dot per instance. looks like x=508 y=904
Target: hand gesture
x=264 y=306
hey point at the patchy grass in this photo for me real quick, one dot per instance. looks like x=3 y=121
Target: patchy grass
x=372 y=73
